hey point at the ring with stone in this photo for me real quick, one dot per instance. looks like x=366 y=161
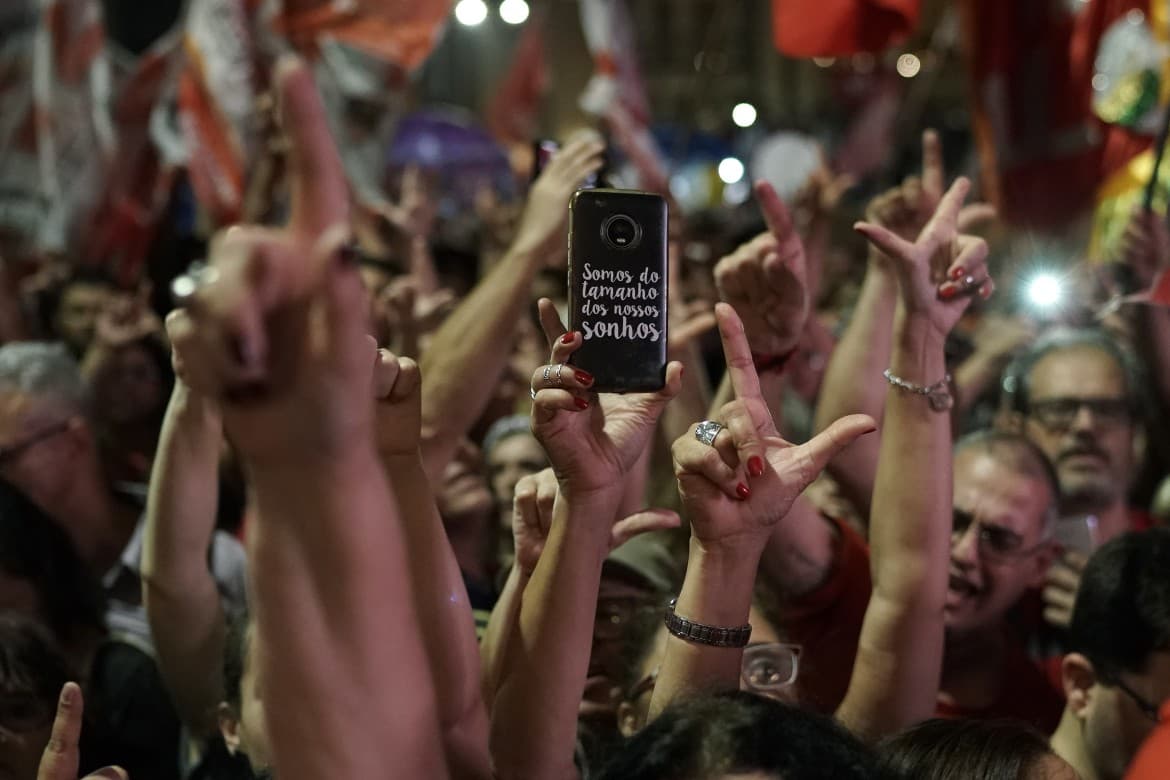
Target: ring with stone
x=707 y=430
x=968 y=281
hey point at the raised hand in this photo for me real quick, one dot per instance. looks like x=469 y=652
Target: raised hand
x=542 y=225
x=126 y=319
x=592 y=440
x=742 y=484
x=905 y=209
x=766 y=280
x=532 y=512
x=940 y=271
x=1145 y=246
x=61 y=756
x=396 y=387
x=279 y=321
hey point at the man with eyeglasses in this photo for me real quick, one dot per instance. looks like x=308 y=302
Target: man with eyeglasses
x=1077 y=393
x=1117 y=675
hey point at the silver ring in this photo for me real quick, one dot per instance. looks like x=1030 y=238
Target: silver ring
x=547 y=371
x=968 y=281
x=186 y=286
x=557 y=375
x=707 y=430
x=532 y=393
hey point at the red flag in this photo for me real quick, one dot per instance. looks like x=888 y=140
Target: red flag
x=828 y=28
x=512 y=112
x=402 y=32
x=1031 y=65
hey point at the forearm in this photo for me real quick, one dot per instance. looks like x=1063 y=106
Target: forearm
x=501 y=629
x=448 y=632
x=344 y=667
x=899 y=659
x=546 y=663
x=716 y=591
x=182 y=601
x=470 y=344
x=853 y=383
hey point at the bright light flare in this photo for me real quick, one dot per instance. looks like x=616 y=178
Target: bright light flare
x=1045 y=291
x=730 y=170
x=471 y=13
x=744 y=115
x=514 y=11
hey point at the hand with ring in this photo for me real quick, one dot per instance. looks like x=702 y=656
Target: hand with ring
x=592 y=440
x=736 y=475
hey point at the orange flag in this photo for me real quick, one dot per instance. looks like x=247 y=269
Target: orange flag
x=829 y=28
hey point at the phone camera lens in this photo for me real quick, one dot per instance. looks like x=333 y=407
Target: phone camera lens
x=621 y=232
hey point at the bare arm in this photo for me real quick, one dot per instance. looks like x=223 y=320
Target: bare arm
x=899 y=657
x=448 y=632
x=327 y=544
x=468 y=343
x=180 y=594
x=735 y=491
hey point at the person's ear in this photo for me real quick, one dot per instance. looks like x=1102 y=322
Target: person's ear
x=628 y=722
x=229 y=726
x=1080 y=682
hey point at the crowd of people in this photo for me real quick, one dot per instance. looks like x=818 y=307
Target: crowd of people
x=349 y=511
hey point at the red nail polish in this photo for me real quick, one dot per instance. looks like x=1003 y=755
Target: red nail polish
x=755 y=465
x=584 y=377
x=958 y=273
x=947 y=292
x=743 y=491
x=581 y=403
x=567 y=338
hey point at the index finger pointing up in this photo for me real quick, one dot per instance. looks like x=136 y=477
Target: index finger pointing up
x=944 y=224
x=775 y=212
x=740 y=367
x=320 y=195
x=933 y=174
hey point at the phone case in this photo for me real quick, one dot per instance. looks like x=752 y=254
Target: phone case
x=617 y=287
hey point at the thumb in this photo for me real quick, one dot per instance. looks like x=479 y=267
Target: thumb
x=887 y=242
x=642 y=522
x=840 y=434
x=108 y=773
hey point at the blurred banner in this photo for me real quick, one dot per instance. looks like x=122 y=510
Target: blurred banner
x=616 y=92
x=1065 y=99
x=828 y=28
x=56 y=135
x=513 y=111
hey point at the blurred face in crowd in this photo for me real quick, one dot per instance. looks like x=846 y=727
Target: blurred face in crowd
x=512 y=458
x=464 y=491
x=130 y=388
x=1079 y=416
x=25 y=724
x=998 y=549
x=39 y=448
x=1115 y=721
x=81 y=302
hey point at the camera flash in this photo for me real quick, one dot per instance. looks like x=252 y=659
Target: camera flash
x=1045 y=291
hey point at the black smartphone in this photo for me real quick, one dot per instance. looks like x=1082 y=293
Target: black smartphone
x=617 y=287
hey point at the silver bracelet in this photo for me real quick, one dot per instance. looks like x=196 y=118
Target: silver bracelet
x=938 y=394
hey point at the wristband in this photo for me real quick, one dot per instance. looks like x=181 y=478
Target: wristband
x=700 y=634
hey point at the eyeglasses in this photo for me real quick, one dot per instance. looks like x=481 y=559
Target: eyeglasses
x=1147 y=707
x=770 y=666
x=1059 y=413
x=767 y=667
x=10 y=452
x=995 y=541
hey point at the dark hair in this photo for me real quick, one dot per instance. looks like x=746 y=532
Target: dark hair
x=940 y=749
x=35 y=549
x=49 y=300
x=1018 y=376
x=30 y=662
x=737 y=731
x=1122 y=611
